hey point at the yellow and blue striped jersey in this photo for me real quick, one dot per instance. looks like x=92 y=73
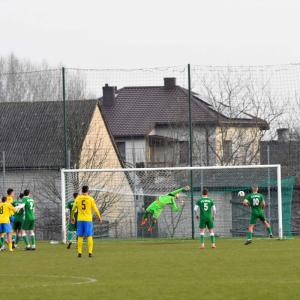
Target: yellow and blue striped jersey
x=84 y=205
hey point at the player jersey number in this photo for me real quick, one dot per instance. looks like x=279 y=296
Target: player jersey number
x=1 y=210
x=83 y=205
x=31 y=205
x=206 y=206
x=255 y=201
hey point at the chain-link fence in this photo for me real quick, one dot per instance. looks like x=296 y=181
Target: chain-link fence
x=95 y=119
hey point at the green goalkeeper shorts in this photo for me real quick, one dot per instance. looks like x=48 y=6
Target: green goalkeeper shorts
x=255 y=216
x=28 y=225
x=205 y=222
x=154 y=208
x=17 y=225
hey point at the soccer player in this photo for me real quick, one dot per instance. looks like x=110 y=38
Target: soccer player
x=84 y=205
x=257 y=212
x=207 y=217
x=5 y=211
x=10 y=195
x=18 y=222
x=72 y=227
x=29 y=220
x=157 y=206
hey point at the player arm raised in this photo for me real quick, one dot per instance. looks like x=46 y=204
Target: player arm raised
x=174 y=193
x=96 y=211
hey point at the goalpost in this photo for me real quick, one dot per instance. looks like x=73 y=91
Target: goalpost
x=122 y=195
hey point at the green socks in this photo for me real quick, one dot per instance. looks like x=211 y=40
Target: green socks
x=1 y=244
x=2 y=240
x=145 y=216
x=269 y=230
x=212 y=237
x=152 y=224
x=13 y=237
x=33 y=239
x=25 y=238
x=202 y=238
x=18 y=239
x=249 y=235
x=70 y=236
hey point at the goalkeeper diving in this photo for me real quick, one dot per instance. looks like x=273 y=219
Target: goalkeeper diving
x=157 y=206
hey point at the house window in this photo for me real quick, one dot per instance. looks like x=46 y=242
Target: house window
x=227 y=151
x=121 y=148
x=184 y=152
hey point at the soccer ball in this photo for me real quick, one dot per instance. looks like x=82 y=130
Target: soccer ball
x=241 y=194
x=181 y=203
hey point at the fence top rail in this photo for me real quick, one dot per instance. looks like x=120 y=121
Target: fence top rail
x=172 y=168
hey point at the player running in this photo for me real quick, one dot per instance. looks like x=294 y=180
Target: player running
x=157 y=206
x=72 y=227
x=84 y=204
x=5 y=211
x=257 y=212
x=207 y=217
x=29 y=221
x=18 y=222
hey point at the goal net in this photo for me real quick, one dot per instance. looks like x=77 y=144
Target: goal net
x=122 y=195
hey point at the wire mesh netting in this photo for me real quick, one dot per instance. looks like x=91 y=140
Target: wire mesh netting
x=140 y=118
x=123 y=196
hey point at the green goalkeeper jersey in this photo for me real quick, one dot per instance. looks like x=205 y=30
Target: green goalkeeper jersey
x=29 y=205
x=205 y=205
x=70 y=206
x=19 y=214
x=169 y=199
x=255 y=200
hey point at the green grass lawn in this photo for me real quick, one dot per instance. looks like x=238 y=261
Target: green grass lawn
x=155 y=269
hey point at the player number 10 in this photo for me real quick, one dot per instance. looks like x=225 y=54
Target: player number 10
x=255 y=201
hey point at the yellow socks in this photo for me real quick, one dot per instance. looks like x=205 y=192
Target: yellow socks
x=90 y=244
x=10 y=246
x=80 y=239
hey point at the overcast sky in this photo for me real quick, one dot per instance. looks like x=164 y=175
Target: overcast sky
x=136 y=34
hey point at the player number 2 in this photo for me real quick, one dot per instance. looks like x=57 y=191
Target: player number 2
x=255 y=201
x=206 y=206
x=83 y=205
x=31 y=205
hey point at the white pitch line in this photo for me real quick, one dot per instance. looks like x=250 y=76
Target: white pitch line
x=89 y=280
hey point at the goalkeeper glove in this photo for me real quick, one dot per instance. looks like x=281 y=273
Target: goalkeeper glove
x=187 y=188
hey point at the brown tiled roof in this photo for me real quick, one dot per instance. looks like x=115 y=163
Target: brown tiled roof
x=32 y=133
x=139 y=109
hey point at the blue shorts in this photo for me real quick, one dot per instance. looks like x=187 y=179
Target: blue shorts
x=85 y=228
x=5 y=227
x=11 y=220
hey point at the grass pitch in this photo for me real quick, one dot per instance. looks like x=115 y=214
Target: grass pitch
x=155 y=269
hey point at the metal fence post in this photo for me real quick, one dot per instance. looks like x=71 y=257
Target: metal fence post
x=269 y=192
x=65 y=117
x=3 y=165
x=191 y=150
x=134 y=178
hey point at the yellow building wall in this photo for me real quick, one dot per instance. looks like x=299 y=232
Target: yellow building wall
x=245 y=145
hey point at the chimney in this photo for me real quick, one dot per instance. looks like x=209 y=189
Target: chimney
x=109 y=98
x=283 y=134
x=170 y=82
